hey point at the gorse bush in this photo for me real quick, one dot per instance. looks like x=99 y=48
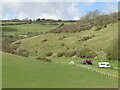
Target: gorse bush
x=62 y=37
x=97 y=28
x=69 y=53
x=62 y=44
x=60 y=54
x=85 y=53
x=86 y=37
x=44 y=40
x=49 y=54
x=112 y=54
x=18 y=42
x=22 y=52
x=43 y=59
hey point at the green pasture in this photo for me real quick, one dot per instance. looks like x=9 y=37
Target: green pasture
x=24 y=28
x=20 y=72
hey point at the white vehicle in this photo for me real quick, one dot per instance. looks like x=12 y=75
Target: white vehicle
x=71 y=62
x=104 y=65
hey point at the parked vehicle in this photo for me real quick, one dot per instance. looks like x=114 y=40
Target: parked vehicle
x=72 y=62
x=88 y=62
x=104 y=65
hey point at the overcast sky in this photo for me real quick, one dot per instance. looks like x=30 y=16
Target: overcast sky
x=53 y=10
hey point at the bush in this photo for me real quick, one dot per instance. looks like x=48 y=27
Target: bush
x=61 y=25
x=43 y=59
x=69 y=53
x=61 y=37
x=22 y=52
x=86 y=53
x=112 y=55
x=78 y=54
x=44 y=40
x=62 y=44
x=60 y=54
x=18 y=42
x=49 y=54
x=98 y=28
x=85 y=38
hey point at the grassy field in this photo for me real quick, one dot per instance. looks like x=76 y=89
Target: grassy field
x=34 y=27
x=24 y=28
x=77 y=61
x=20 y=72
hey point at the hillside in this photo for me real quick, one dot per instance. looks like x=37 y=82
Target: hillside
x=29 y=73
x=101 y=43
x=65 y=44
x=41 y=52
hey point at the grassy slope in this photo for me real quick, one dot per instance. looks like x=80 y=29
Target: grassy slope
x=26 y=72
x=104 y=39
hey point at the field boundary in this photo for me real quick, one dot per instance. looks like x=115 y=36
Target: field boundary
x=98 y=71
x=24 y=39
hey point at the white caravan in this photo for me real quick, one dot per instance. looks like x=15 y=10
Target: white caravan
x=104 y=65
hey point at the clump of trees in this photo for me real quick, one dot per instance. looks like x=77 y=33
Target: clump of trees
x=7 y=45
x=16 y=22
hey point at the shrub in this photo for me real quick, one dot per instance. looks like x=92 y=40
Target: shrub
x=61 y=37
x=43 y=59
x=61 y=25
x=49 y=54
x=85 y=38
x=62 y=44
x=18 y=42
x=60 y=54
x=86 y=53
x=22 y=52
x=69 y=53
x=44 y=40
x=98 y=28
x=112 y=55
x=67 y=47
x=78 y=54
